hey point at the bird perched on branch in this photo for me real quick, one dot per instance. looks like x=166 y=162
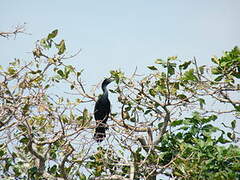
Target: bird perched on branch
x=101 y=112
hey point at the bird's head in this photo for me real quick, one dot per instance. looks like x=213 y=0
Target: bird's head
x=106 y=82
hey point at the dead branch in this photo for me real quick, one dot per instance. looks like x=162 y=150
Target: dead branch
x=19 y=29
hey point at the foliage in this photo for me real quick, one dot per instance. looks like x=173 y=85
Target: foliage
x=178 y=121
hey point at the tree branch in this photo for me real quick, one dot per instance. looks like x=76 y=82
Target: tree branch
x=62 y=165
x=164 y=128
x=41 y=165
x=113 y=177
x=18 y=29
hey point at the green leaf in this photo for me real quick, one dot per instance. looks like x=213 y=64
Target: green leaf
x=171 y=70
x=79 y=73
x=22 y=127
x=61 y=47
x=176 y=123
x=160 y=61
x=215 y=60
x=209 y=119
x=183 y=97
x=17 y=171
x=117 y=75
x=35 y=72
x=216 y=70
x=11 y=71
x=209 y=128
x=25 y=108
x=33 y=170
x=85 y=116
x=225 y=63
x=185 y=65
x=172 y=58
x=160 y=125
x=189 y=76
x=237 y=108
x=219 y=78
x=201 y=102
x=152 y=68
x=47 y=86
x=82 y=177
x=152 y=92
x=53 y=154
x=43 y=43
x=53 y=34
x=229 y=135
x=201 y=69
x=185 y=128
x=233 y=124
x=24 y=140
x=237 y=74
x=147 y=111
x=53 y=169
x=222 y=140
x=60 y=72
x=2 y=153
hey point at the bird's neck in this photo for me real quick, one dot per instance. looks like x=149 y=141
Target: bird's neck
x=105 y=91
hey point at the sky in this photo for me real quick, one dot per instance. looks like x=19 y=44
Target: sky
x=123 y=34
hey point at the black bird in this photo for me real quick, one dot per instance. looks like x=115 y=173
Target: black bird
x=101 y=112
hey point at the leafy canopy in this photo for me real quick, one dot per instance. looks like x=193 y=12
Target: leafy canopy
x=178 y=121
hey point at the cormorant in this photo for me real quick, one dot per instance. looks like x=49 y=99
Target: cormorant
x=101 y=112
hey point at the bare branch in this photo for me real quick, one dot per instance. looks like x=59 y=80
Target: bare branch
x=196 y=66
x=133 y=128
x=41 y=165
x=19 y=29
x=165 y=124
x=113 y=177
x=132 y=171
x=62 y=165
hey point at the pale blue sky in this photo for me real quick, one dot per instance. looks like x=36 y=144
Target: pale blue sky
x=123 y=34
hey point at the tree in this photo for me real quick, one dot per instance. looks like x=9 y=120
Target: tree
x=171 y=123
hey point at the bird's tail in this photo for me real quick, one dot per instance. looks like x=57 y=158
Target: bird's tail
x=100 y=133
